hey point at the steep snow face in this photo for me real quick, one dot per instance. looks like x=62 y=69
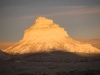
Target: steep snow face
x=45 y=36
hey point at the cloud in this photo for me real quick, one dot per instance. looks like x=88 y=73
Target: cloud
x=77 y=10
x=71 y=7
x=69 y=11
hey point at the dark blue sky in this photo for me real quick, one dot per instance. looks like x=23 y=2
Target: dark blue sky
x=80 y=18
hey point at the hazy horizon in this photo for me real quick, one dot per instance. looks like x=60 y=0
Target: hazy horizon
x=80 y=18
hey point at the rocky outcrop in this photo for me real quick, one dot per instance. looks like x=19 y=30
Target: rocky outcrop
x=45 y=36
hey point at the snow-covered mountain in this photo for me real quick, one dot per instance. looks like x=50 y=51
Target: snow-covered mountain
x=46 y=36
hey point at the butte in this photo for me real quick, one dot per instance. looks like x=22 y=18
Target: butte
x=46 y=36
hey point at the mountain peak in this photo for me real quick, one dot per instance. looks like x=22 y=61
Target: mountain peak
x=43 y=20
x=45 y=36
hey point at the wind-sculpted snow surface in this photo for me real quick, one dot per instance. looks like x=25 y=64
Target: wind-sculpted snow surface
x=46 y=36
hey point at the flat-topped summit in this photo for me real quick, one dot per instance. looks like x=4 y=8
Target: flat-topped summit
x=44 y=29
x=46 y=36
x=43 y=20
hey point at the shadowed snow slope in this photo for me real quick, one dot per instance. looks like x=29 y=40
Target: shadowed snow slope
x=46 y=36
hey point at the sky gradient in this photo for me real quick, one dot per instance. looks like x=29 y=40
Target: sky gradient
x=80 y=18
